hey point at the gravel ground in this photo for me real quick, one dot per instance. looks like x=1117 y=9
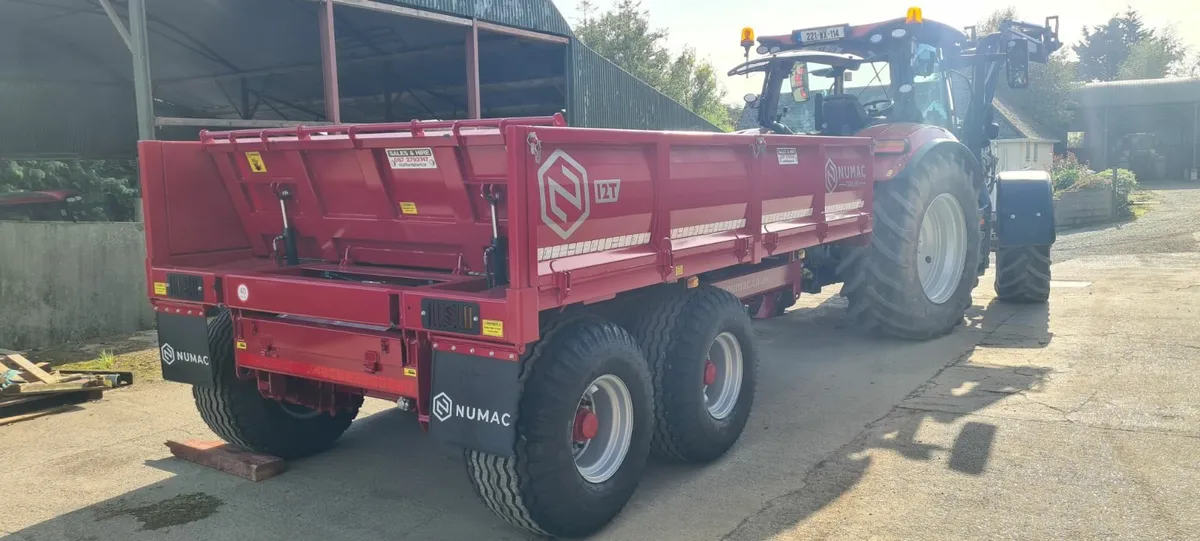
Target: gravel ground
x=1169 y=227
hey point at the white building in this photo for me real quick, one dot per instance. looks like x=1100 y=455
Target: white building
x=1023 y=143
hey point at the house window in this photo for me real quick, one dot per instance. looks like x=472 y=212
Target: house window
x=1028 y=151
x=1035 y=151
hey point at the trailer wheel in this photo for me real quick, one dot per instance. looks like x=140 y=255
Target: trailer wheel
x=703 y=359
x=235 y=411
x=1023 y=274
x=584 y=427
x=914 y=280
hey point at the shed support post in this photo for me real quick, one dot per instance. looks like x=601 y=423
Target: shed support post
x=116 y=21
x=143 y=90
x=472 y=46
x=329 y=71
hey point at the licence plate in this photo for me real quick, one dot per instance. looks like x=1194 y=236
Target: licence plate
x=825 y=33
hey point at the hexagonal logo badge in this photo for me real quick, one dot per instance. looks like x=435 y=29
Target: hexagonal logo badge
x=443 y=407
x=168 y=354
x=564 y=188
x=831 y=176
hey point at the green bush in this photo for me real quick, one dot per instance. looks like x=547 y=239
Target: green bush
x=1070 y=175
x=109 y=187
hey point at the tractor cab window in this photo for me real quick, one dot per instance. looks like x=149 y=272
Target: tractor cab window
x=850 y=97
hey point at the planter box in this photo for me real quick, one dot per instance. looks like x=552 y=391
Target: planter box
x=1083 y=207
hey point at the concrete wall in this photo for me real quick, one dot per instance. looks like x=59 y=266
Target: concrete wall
x=63 y=282
x=1083 y=207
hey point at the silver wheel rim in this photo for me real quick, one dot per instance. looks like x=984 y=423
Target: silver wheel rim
x=942 y=248
x=721 y=395
x=598 y=458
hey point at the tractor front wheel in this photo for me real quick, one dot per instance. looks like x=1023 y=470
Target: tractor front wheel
x=584 y=426
x=1023 y=274
x=914 y=280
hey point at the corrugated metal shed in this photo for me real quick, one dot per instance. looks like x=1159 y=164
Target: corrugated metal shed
x=538 y=15
x=1139 y=92
x=602 y=95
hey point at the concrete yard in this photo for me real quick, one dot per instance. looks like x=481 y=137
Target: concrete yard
x=1080 y=420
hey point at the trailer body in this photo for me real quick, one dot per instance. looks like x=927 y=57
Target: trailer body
x=390 y=295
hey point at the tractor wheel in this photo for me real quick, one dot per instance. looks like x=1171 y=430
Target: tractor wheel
x=1023 y=274
x=235 y=410
x=703 y=358
x=914 y=280
x=584 y=425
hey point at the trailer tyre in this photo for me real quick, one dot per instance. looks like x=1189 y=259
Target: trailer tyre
x=235 y=410
x=704 y=360
x=570 y=474
x=1023 y=274
x=914 y=280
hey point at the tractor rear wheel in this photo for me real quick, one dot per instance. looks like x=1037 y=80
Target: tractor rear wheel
x=584 y=425
x=235 y=410
x=703 y=358
x=914 y=280
x=1023 y=274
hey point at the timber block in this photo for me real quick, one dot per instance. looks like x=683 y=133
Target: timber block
x=222 y=456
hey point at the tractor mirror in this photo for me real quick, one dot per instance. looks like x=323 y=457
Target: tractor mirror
x=1018 y=63
x=751 y=99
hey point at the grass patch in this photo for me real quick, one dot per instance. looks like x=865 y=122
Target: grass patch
x=1140 y=203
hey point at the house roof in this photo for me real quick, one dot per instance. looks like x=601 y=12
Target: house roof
x=1139 y=92
x=1022 y=126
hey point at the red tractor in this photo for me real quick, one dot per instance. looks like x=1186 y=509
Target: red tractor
x=560 y=302
x=894 y=81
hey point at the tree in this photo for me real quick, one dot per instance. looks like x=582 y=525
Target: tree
x=1050 y=96
x=1105 y=50
x=1155 y=57
x=624 y=35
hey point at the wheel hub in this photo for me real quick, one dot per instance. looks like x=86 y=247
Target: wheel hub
x=942 y=248
x=710 y=372
x=586 y=425
x=602 y=428
x=723 y=375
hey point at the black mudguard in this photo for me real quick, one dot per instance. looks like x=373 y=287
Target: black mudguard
x=474 y=402
x=183 y=349
x=1024 y=209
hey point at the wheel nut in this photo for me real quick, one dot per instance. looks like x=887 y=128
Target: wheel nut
x=710 y=372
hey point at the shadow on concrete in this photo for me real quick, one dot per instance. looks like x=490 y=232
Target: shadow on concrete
x=958 y=390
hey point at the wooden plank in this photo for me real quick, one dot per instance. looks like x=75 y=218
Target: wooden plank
x=28 y=416
x=39 y=388
x=18 y=405
x=222 y=456
x=33 y=369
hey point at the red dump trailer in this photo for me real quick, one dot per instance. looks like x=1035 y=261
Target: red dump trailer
x=556 y=301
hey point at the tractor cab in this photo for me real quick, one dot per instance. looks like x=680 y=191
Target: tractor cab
x=837 y=80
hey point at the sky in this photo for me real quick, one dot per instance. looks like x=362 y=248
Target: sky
x=713 y=26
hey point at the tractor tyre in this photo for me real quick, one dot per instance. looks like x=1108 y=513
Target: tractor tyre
x=914 y=280
x=235 y=410
x=1023 y=274
x=584 y=425
x=703 y=358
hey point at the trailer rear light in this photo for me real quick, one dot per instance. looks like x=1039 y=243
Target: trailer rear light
x=185 y=287
x=450 y=316
x=891 y=146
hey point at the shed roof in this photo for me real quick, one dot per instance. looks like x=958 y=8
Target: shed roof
x=1139 y=92
x=1023 y=126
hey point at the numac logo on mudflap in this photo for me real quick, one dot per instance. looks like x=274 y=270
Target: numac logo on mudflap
x=170 y=355
x=444 y=408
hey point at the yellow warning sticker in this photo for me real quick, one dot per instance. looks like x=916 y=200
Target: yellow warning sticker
x=408 y=207
x=160 y=288
x=257 y=164
x=678 y=270
x=410 y=372
x=241 y=344
x=492 y=327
